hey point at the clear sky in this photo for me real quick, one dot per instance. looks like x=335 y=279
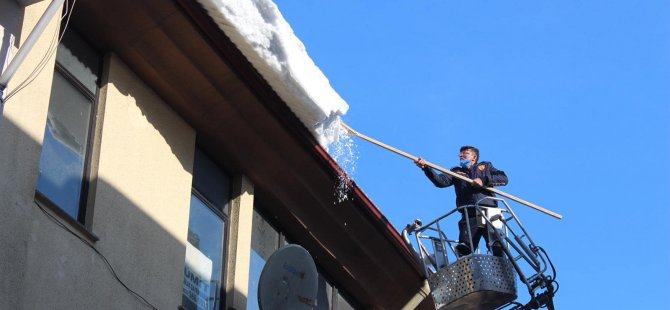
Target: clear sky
x=570 y=98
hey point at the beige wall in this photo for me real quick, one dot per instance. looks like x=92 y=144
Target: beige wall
x=143 y=191
x=141 y=198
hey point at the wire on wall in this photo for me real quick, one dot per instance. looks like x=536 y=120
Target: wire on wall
x=53 y=47
x=137 y=296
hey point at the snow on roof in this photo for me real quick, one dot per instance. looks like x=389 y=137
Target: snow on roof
x=259 y=30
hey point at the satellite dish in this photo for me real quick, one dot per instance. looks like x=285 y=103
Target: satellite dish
x=289 y=280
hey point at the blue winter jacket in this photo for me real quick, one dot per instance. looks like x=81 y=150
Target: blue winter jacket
x=467 y=194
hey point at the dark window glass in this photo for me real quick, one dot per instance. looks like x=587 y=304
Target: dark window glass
x=66 y=136
x=212 y=182
x=80 y=60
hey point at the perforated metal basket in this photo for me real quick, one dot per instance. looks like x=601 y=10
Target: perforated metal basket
x=476 y=282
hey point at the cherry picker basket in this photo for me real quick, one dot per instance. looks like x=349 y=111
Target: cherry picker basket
x=478 y=281
x=465 y=276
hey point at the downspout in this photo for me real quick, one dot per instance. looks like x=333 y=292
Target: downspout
x=21 y=55
x=422 y=294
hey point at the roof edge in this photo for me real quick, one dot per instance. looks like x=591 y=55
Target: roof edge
x=293 y=124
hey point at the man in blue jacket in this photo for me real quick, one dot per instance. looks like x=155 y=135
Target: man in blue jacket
x=483 y=175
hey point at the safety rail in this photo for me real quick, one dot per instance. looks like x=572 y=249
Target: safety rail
x=480 y=278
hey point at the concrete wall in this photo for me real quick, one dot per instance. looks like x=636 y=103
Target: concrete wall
x=143 y=190
x=140 y=199
x=239 y=244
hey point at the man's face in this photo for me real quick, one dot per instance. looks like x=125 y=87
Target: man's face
x=469 y=155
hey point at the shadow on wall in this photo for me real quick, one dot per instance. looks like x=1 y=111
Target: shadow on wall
x=143 y=108
x=44 y=264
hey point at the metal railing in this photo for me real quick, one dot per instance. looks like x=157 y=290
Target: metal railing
x=503 y=229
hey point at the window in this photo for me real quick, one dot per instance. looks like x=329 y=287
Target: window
x=205 y=249
x=343 y=303
x=325 y=300
x=324 y=295
x=265 y=240
x=66 y=149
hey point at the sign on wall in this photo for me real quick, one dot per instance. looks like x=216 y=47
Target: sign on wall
x=197 y=277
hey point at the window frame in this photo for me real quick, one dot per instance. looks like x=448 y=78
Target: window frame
x=225 y=218
x=94 y=99
x=80 y=221
x=224 y=246
x=209 y=204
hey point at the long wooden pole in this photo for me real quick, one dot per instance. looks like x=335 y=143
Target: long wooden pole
x=449 y=172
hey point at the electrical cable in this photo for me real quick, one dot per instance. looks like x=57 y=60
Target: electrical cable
x=104 y=259
x=69 y=15
x=33 y=75
x=50 y=51
x=53 y=47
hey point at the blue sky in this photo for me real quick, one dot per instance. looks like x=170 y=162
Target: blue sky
x=570 y=98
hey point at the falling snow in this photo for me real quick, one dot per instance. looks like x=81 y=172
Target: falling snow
x=343 y=150
x=260 y=32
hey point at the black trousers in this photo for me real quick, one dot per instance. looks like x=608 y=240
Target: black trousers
x=476 y=232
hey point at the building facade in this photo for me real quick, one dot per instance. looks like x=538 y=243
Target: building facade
x=145 y=163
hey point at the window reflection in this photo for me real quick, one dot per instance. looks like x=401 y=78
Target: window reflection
x=66 y=135
x=205 y=250
x=80 y=59
x=324 y=295
x=343 y=304
x=264 y=242
x=64 y=146
x=204 y=258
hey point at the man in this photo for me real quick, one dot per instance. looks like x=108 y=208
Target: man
x=483 y=175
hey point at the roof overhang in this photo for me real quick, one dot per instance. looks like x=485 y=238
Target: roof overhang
x=176 y=48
